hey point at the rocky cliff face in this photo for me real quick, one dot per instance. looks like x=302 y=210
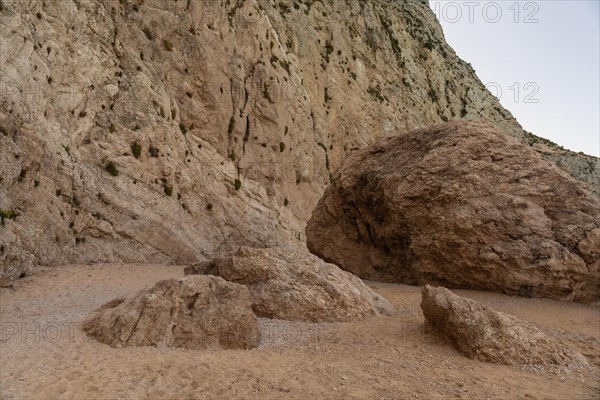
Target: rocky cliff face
x=163 y=131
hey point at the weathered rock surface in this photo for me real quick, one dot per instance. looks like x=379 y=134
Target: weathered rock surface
x=195 y=312
x=126 y=126
x=462 y=206
x=479 y=332
x=296 y=285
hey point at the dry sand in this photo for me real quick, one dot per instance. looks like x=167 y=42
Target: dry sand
x=44 y=355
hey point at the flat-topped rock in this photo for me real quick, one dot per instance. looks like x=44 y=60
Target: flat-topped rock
x=195 y=312
x=296 y=285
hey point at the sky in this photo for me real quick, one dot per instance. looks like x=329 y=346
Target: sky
x=540 y=58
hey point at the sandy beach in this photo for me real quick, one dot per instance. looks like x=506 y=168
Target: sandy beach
x=44 y=354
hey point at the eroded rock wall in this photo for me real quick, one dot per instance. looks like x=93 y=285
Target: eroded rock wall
x=165 y=131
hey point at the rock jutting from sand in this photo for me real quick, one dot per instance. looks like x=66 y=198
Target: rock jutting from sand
x=480 y=332
x=194 y=312
x=296 y=285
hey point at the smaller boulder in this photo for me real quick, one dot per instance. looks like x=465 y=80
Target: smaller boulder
x=195 y=312
x=296 y=285
x=479 y=332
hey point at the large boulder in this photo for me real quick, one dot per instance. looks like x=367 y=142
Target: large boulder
x=461 y=205
x=195 y=312
x=295 y=285
x=487 y=335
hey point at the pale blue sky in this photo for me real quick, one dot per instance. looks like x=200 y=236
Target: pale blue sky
x=549 y=48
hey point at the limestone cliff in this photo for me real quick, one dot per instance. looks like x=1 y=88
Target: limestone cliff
x=163 y=131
